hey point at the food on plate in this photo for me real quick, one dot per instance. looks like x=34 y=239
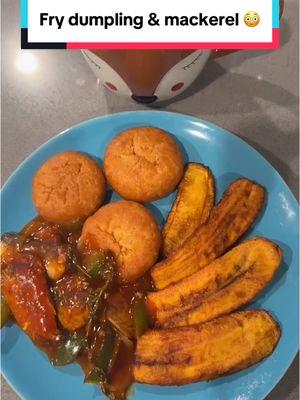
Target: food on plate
x=24 y=286
x=50 y=243
x=5 y=311
x=228 y=221
x=203 y=352
x=130 y=232
x=117 y=313
x=68 y=187
x=80 y=280
x=194 y=201
x=72 y=294
x=85 y=315
x=143 y=164
x=221 y=287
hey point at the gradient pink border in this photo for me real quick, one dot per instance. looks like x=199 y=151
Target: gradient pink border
x=153 y=46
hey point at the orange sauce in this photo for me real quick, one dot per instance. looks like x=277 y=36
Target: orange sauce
x=116 y=310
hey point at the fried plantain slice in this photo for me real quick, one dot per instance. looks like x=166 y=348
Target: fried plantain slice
x=194 y=201
x=228 y=221
x=203 y=352
x=221 y=287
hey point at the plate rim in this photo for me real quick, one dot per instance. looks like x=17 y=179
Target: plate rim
x=208 y=126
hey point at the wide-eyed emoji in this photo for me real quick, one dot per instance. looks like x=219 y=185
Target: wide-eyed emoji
x=251 y=19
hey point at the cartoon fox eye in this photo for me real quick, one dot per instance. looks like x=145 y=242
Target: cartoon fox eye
x=181 y=75
x=106 y=74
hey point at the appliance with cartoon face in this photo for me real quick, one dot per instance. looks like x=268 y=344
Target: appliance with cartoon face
x=147 y=75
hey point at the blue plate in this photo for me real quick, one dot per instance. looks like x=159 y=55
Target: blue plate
x=27 y=369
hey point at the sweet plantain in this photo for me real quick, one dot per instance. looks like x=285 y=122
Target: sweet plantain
x=193 y=204
x=221 y=287
x=203 y=352
x=228 y=221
